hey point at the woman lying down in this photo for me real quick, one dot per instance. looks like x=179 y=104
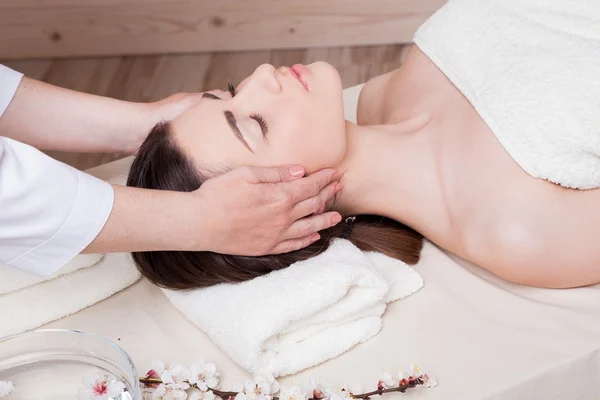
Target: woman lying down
x=449 y=146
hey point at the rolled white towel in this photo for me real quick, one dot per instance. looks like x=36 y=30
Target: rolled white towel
x=66 y=294
x=28 y=301
x=12 y=279
x=301 y=316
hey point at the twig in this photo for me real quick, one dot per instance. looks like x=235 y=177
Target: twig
x=365 y=396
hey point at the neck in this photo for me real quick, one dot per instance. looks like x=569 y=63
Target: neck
x=390 y=170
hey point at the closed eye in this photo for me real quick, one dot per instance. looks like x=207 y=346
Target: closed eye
x=264 y=126
x=230 y=89
x=210 y=96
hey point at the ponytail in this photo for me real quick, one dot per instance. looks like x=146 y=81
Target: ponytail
x=375 y=233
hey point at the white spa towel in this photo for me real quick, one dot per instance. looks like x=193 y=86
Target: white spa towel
x=53 y=299
x=530 y=69
x=28 y=301
x=12 y=279
x=301 y=316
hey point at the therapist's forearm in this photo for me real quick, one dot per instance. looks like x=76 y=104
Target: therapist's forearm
x=149 y=220
x=53 y=118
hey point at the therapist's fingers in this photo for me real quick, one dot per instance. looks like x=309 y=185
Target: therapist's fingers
x=308 y=226
x=310 y=186
x=288 y=246
x=272 y=174
x=315 y=204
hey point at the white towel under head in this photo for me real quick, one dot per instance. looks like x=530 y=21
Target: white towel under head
x=301 y=316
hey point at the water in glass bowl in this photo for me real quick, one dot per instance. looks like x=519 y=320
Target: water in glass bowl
x=53 y=365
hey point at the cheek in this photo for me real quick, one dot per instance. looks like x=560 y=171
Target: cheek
x=315 y=143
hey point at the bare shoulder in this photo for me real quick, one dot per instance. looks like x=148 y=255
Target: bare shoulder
x=524 y=229
x=543 y=235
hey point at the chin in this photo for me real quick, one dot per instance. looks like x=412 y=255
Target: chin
x=326 y=74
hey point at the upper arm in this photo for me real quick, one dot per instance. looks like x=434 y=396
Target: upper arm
x=549 y=237
x=9 y=82
x=48 y=211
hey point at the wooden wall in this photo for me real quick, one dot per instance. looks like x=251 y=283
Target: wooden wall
x=64 y=28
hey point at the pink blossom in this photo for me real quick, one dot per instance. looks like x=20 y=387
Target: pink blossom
x=100 y=387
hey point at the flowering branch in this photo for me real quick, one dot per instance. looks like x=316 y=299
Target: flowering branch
x=402 y=388
x=202 y=379
x=223 y=395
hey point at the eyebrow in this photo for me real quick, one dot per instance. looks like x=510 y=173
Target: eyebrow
x=231 y=121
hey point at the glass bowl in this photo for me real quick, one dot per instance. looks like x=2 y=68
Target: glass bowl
x=51 y=364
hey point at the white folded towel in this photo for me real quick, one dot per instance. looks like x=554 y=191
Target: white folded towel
x=12 y=279
x=301 y=316
x=33 y=306
x=28 y=301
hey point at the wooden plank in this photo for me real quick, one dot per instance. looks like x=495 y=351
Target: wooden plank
x=36 y=69
x=63 y=28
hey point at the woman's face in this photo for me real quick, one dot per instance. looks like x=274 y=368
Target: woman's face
x=276 y=117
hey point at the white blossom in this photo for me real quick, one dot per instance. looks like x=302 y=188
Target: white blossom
x=356 y=389
x=6 y=388
x=291 y=393
x=100 y=387
x=429 y=380
x=415 y=370
x=325 y=391
x=267 y=383
x=386 y=380
x=204 y=375
x=177 y=375
x=237 y=387
x=169 y=391
x=262 y=388
x=195 y=394
x=403 y=376
x=158 y=365
x=319 y=388
x=148 y=393
x=340 y=394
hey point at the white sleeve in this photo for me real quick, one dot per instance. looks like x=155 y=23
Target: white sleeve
x=49 y=211
x=9 y=82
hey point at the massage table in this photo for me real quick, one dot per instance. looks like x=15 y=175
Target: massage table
x=482 y=337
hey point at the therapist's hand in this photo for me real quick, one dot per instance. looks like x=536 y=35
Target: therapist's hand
x=82 y=122
x=257 y=211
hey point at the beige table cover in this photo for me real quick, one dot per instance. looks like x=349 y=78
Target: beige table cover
x=482 y=337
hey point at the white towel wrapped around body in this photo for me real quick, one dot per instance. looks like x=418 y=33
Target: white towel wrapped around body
x=527 y=67
x=303 y=315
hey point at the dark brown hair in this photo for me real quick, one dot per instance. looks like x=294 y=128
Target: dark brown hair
x=161 y=164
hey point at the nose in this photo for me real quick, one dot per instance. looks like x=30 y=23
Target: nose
x=263 y=78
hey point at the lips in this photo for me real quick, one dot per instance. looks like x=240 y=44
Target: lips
x=301 y=73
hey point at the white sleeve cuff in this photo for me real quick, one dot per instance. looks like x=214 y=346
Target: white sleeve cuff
x=88 y=216
x=9 y=82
